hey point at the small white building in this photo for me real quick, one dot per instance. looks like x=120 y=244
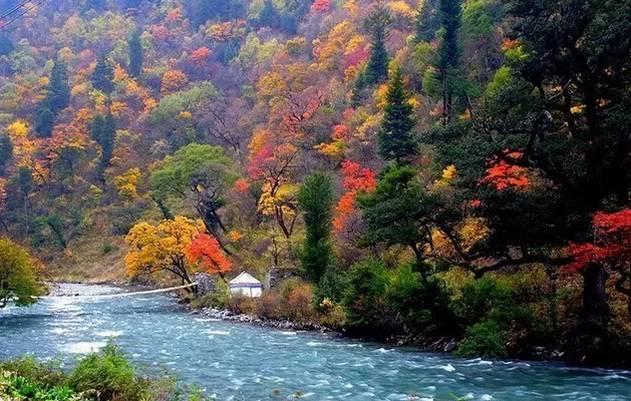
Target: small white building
x=245 y=284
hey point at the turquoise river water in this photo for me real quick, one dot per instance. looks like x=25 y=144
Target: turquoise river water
x=235 y=361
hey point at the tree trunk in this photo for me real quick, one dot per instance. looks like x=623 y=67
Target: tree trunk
x=593 y=331
x=595 y=306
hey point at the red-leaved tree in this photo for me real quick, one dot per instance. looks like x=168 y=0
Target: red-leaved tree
x=611 y=248
x=205 y=252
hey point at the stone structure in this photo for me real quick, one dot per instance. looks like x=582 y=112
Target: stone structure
x=276 y=275
x=205 y=283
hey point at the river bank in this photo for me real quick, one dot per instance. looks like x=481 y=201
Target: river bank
x=230 y=358
x=447 y=345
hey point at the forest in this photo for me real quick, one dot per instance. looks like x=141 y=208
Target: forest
x=436 y=169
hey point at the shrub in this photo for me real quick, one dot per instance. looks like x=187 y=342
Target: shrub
x=332 y=315
x=47 y=374
x=241 y=304
x=420 y=306
x=106 y=376
x=484 y=339
x=364 y=299
x=109 y=375
x=484 y=297
x=491 y=304
x=298 y=304
x=25 y=388
x=108 y=248
x=268 y=305
x=219 y=298
x=332 y=284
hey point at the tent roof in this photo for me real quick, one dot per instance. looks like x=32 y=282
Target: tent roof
x=244 y=279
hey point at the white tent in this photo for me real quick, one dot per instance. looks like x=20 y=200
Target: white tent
x=247 y=285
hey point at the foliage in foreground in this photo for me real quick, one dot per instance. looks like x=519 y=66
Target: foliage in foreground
x=103 y=376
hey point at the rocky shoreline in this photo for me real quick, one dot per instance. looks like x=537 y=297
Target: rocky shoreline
x=443 y=345
x=226 y=315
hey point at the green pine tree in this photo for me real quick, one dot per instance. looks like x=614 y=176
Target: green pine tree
x=6 y=152
x=395 y=137
x=103 y=131
x=58 y=96
x=358 y=88
x=44 y=121
x=427 y=21
x=103 y=75
x=268 y=15
x=135 y=55
x=316 y=200
x=377 y=26
x=449 y=52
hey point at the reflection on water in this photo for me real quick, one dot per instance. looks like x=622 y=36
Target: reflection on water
x=254 y=363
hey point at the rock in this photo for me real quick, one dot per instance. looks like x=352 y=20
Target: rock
x=450 y=346
x=205 y=283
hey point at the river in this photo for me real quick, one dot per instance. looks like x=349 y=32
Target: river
x=243 y=362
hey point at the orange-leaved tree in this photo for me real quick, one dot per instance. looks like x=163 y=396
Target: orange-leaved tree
x=207 y=255
x=161 y=248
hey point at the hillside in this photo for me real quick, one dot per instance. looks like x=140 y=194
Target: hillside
x=414 y=160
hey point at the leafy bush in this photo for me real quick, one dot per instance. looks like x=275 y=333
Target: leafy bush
x=364 y=299
x=268 y=305
x=18 y=387
x=332 y=315
x=219 y=298
x=298 y=303
x=332 y=284
x=106 y=376
x=46 y=374
x=499 y=319
x=109 y=375
x=420 y=306
x=484 y=339
x=240 y=304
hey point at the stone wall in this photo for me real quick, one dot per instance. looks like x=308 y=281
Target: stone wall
x=205 y=283
x=276 y=275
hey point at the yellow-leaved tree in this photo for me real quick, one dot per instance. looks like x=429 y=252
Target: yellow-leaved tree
x=161 y=248
x=18 y=275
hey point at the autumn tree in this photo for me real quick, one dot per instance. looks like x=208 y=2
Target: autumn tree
x=357 y=180
x=396 y=141
x=207 y=255
x=161 y=248
x=200 y=174
x=316 y=200
x=609 y=247
x=18 y=275
x=173 y=80
x=271 y=162
x=136 y=55
x=377 y=26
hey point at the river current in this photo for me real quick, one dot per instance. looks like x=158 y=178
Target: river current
x=235 y=361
